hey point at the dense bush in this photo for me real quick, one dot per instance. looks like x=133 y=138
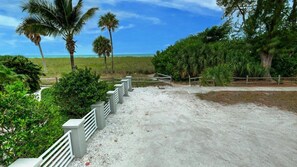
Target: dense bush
x=7 y=76
x=27 y=127
x=220 y=75
x=23 y=66
x=286 y=66
x=76 y=91
x=192 y=55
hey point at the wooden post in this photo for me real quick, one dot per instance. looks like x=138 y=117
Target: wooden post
x=247 y=80
x=279 y=80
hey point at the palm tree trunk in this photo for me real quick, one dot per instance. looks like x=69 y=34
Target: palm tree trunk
x=43 y=60
x=72 y=61
x=105 y=63
x=70 y=45
x=110 y=36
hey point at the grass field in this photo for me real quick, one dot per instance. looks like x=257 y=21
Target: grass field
x=136 y=66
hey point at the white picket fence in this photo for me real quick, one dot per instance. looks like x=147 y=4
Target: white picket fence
x=90 y=123
x=60 y=154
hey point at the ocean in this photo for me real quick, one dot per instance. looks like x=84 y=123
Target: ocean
x=89 y=56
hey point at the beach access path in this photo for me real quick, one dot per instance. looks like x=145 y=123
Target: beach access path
x=172 y=127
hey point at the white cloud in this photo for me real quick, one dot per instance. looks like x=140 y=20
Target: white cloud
x=130 y=15
x=8 y=21
x=126 y=27
x=48 y=39
x=194 y=6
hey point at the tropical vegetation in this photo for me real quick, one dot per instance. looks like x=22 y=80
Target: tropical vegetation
x=262 y=42
x=77 y=91
x=20 y=68
x=102 y=46
x=27 y=127
x=59 y=18
x=109 y=22
x=24 y=28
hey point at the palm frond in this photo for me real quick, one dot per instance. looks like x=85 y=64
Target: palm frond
x=108 y=21
x=41 y=8
x=90 y=13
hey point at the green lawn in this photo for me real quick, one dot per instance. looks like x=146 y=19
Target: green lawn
x=136 y=66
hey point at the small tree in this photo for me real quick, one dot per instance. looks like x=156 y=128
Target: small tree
x=101 y=46
x=109 y=22
x=76 y=91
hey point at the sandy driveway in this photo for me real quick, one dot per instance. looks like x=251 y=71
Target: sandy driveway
x=170 y=127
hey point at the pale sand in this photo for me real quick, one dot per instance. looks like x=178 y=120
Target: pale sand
x=170 y=127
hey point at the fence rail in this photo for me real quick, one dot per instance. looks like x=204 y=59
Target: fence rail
x=107 y=109
x=163 y=77
x=60 y=154
x=252 y=80
x=90 y=124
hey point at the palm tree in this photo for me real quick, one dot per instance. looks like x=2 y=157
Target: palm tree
x=109 y=22
x=102 y=46
x=23 y=28
x=58 y=18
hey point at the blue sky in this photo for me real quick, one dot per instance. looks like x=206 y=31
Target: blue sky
x=145 y=26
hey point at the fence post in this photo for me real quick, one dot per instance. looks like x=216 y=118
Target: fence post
x=120 y=88
x=27 y=162
x=279 y=79
x=247 y=80
x=57 y=80
x=78 y=139
x=100 y=119
x=113 y=104
x=130 y=83
x=125 y=83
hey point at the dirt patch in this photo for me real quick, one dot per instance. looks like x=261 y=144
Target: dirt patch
x=282 y=100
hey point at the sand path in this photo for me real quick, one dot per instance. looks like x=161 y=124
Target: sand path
x=171 y=127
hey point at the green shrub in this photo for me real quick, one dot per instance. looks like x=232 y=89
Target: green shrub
x=7 y=76
x=27 y=127
x=76 y=91
x=192 y=55
x=286 y=66
x=23 y=66
x=220 y=75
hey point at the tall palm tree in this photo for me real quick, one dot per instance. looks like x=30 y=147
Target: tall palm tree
x=102 y=46
x=58 y=18
x=109 y=22
x=23 y=28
